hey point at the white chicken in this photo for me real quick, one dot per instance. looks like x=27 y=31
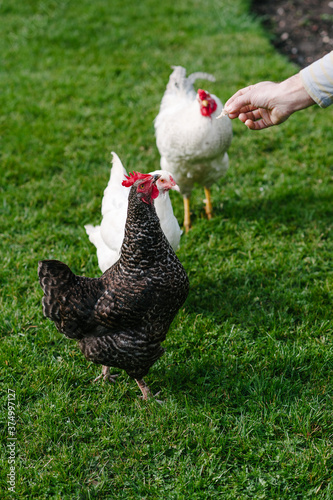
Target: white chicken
x=108 y=237
x=192 y=143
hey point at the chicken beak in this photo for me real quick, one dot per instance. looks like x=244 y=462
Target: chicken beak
x=156 y=177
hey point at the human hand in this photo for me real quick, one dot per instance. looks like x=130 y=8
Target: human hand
x=266 y=103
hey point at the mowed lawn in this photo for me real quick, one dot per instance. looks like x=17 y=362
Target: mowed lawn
x=247 y=377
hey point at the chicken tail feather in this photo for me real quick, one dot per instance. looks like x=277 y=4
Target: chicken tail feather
x=55 y=279
x=200 y=75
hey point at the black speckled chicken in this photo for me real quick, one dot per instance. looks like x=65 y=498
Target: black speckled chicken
x=121 y=318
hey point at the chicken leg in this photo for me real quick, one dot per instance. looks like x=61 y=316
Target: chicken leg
x=146 y=393
x=208 y=203
x=106 y=375
x=187 y=214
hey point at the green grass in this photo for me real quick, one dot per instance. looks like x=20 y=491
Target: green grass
x=247 y=376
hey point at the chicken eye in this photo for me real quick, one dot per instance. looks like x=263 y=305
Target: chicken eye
x=162 y=180
x=142 y=186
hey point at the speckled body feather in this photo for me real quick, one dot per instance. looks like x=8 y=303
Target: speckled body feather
x=121 y=318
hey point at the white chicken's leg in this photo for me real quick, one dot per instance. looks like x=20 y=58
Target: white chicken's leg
x=208 y=203
x=187 y=214
x=106 y=375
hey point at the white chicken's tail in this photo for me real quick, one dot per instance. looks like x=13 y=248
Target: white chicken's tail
x=200 y=75
x=178 y=77
x=94 y=233
x=115 y=193
x=117 y=171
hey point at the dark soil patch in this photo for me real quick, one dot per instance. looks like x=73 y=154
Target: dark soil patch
x=301 y=29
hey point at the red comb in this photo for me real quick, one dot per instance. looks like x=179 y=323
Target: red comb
x=131 y=178
x=202 y=94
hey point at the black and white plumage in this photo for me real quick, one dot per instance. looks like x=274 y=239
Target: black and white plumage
x=192 y=143
x=121 y=318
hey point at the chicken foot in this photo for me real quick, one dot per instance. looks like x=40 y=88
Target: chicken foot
x=208 y=204
x=106 y=375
